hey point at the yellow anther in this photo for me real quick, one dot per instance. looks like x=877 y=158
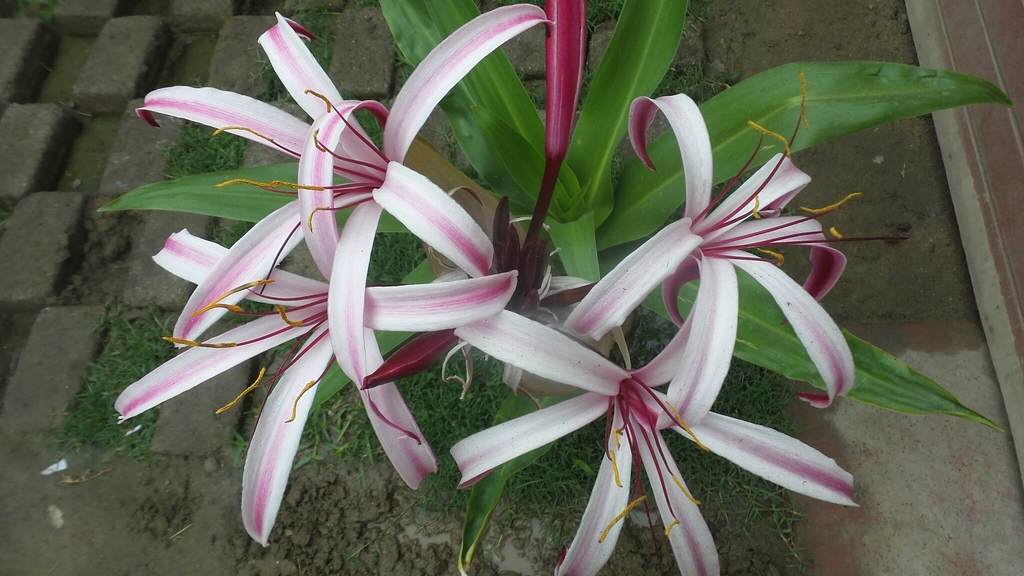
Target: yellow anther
x=835 y=233
x=251 y=387
x=670 y=526
x=830 y=207
x=679 y=421
x=615 y=468
x=230 y=307
x=757 y=206
x=195 y=344
x=779 y=258
x=315 y=210
x=316 y=141
x=244 y=129
x=216 y=303
x=615 y=434
x=284 y=316
x=768 y=132
x=322 y=97
x=272 y=184
x=685 y=491
x=621 y=515
x=295 y=406
x=803 y=100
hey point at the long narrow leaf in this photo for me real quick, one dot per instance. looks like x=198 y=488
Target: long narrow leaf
x=842 y=98
x=578 y=251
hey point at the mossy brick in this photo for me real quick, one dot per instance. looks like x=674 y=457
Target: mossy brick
x=124 y=63
x=526 y=52
x=50 y=369
x=137 y=157
x=363 y=64
x=201 y=15
x=238 y=61
x=41 y=247
x=35 y=140
x=290 y=6
x=87 y=17
x=188 y=423
x=600 y=38
x=27 y=48
x=149 y=285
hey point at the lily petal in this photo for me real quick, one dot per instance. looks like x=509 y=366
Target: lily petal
x=543 y=351
x=705 y=360
x=688 y=271
x=316 y=170
x=776 y=457
x=219 y=108
x=816 y=330
x=591 y=547
x=622 y=290
x=769 y=189
x=687 y=123
x=268 y=461
x=252 y=258
x=481 y=452
x=346 y=299
x=829 y=264
x=437 y=219
x=691 y=540
x=298 y=70
x=197 y=365
x=446 y=65
x=437 y=306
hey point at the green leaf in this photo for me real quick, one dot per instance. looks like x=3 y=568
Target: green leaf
x=842 y=98
x=766 y=339
x=199 y=194
x=578 y=248
x=646 y=38
x=485 y=494
x=334 y=380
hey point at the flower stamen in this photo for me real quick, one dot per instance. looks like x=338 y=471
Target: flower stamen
x=803 y=100
x=328 y=102
x=272 y=184
x=251 y=387
x=682 y=424
x=194 y=344
x=216 y=303
x=779 y=258
x=685 y=491
x=757 y=207
x=830 y=207
x=615 y=468
x=675 y=522
x=621 y=515
x=295 y=405
x=835 y=233
x=768 y=132
x=284 y=316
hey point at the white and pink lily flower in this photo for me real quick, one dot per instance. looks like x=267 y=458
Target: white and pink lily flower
x=710 y=242
x=302 y=310
x=636 y=415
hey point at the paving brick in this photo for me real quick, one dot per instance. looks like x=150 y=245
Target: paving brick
x=290 y=6
x=188 y=423
x=363 y=63
x=87 y=17
x=50 y=370
x=201 y=15
x=526 y=53
x=599 y=40
x=27 y=47
x=35 y=140
x=148 y=285
x=136 y=157
x=124 y=63
x=41 y=247
x=238 y=61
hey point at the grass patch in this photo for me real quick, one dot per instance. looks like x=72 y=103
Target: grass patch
x=198 y=151
x=133 y=348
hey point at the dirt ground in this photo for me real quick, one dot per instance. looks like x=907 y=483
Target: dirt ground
x=181 y=516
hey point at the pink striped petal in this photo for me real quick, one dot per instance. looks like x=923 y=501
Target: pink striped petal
x=220 y=108
x=197 y=365
x=773 y=185
x=816 y=330
x=479 y=453
x=691 y=540
x=588 y=551
x=396 y=428
x=692 y=137
x=622 y=290
x=347 y=296
x=775 y=457
x=252 y=258
x=829 y=264
x=297 y=68
x=437 y=219
x=437 y=306
x=316 y=169
x=446 y=65
x=543 y=351
x=565 y=51
x=705 y=361
x=688 y=271
x=268 y=462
